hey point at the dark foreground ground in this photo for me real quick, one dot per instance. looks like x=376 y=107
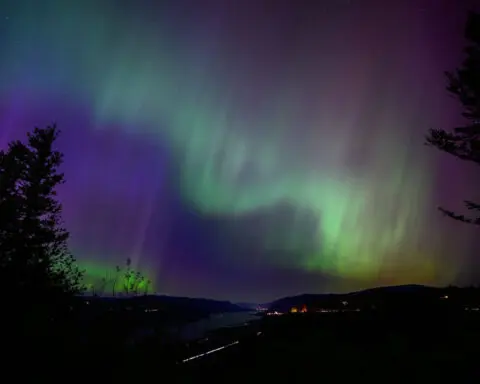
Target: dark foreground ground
x=350 y=347
x=399 y=347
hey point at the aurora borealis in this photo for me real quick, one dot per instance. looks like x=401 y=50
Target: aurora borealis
x=248 y=149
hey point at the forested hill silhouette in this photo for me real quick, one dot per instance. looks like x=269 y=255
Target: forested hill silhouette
x=196 y=307
x=380 y=297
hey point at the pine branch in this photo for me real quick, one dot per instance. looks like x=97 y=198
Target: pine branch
x=459 y=217
x=464 y=85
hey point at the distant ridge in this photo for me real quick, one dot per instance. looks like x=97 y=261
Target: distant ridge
x=171 y=303
x=331 y=300
x=396 y=288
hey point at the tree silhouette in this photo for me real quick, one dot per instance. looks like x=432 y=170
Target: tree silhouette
x=35 y=262
x=132 y=281
x=115 y=279
x=146 y=286
x=464 y=84
x=127 y=277
x=103 y=285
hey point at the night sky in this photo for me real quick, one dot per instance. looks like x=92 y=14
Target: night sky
x=248 y=149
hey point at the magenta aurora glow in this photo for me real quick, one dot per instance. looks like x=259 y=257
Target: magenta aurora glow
x=248 y=149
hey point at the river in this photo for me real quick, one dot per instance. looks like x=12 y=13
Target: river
x=199 y=328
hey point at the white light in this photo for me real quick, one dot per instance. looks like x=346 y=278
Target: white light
x=209 y=352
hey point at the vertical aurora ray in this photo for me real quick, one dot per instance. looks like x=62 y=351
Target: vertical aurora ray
x=260 y=107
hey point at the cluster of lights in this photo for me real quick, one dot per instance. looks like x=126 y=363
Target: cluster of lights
x=274 y=313
x=323 y=310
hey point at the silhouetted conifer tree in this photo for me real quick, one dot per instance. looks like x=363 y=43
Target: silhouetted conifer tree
x=464 y=84
x=37 y=272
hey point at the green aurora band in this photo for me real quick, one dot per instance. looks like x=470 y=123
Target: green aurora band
x=246 y=139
